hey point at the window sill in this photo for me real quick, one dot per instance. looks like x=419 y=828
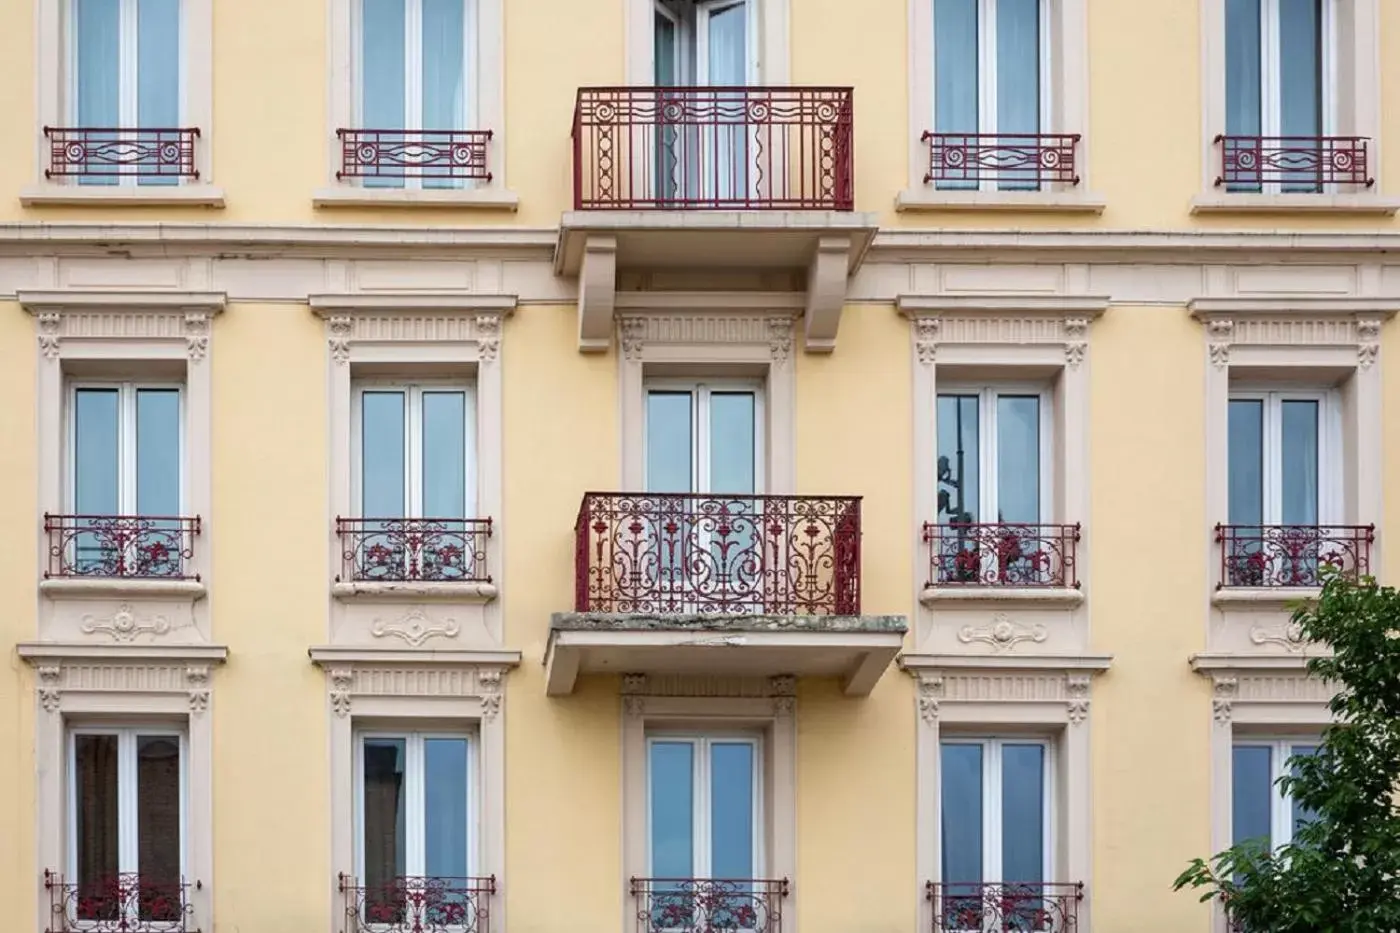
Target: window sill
x=1221 y=203
x=116 y=586
x=471 y=592
x=1043 y=596
x=491 y=199
x=1262 y=597
x=49 y=194
x=929 y=198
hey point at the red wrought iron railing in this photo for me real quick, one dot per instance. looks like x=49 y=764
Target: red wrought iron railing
x=418 y=905
x=450 y=154
x=1291 y=555
x=386 y=550
x=1013 y=159
x=705 y=905
x=120 y=903
x=121 y=152
x=156 y=547
x=713 y=148
x=684 y=553
x=1295 y=163
x=1040 y=906
x=1002 y=554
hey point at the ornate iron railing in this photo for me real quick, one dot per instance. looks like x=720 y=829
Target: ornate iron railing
x=121 y=903
x=413 y=154
x=154 y=547
x=713 y=148
x=691 y=553
x=1002 y=554
x=703 y=905
x=1297 y=163
x=1022 y=907
x=1291 y=555
x=113 y=152
x=1014 y=159
x=442 y=550
x=418 y=905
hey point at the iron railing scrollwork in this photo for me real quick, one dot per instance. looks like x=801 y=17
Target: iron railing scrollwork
x=1002 y=554
x=434 y=550
x=418 y=904
x=1261 y=556
x=122 y=903
x=428 y=154
x=1295 y=163
x=705 y=905
x=714 y=148
x=116 y=152
x=1014 y=160
x=153 y=547
x=697 y=553
x=1014 y=907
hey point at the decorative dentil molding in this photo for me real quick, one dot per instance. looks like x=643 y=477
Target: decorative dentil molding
x=413 y=317
x=104 y=314
x=115 y=675
x=638 y=330
x=1002 y=319
x=1003 y=634
x=1299 y=321
x=414 y=627
x=124 y=625
x=1287 y=635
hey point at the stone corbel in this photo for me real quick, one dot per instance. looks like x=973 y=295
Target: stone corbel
x=597 y=294
x=826 y=292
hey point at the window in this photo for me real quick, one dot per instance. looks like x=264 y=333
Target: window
x=708 y=42
x=125 y=62
x=703 y=438
x=991 y=63
x=415 y=451
x=415 y=71
x=704 y=811
x=416 y=814
x=992 y=456
x=1259 y=808
x=126 y=824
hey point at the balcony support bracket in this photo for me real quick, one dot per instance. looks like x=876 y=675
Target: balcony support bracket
x=597 y=293
x=826 y=292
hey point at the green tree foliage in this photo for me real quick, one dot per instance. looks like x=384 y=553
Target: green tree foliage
x=1341 y=872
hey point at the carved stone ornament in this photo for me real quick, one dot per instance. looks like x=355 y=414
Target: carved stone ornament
x=1288 y=635
x=926 y=339
x=124 y=625
x=197 y=676
x=631 y=331
x=488 y=336
x=1003 y=634
x=339 y=327
x=415 y=628
x=1368 y=337
x=50 y=322
x=50 y=676
x=488 y=682
x=1077 y=704
x=1076 y=341
x=341 y=680
x=780 y=338
x=634 y=684
x=197 y=334
x=930 y=693
x=1226 y=689
x=634 y=705
x=1219 y=334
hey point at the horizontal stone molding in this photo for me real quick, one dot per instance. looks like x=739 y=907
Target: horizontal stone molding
x=98 y=587
x=428 y=592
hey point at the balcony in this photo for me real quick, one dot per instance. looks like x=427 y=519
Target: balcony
x=421 y=557
x=1272 y=560
x=717 y=177
x=1002 y=560
x=703 y=905
x=674 y=582
x=418 y=905
x=1292 y=164
x=150 y=156
x=1006 y=161
x=1042 y=906
x=94 y=554
x=444 y=157
x=122 y=903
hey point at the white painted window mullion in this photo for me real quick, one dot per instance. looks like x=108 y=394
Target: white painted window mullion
x=701 y=445
x=1273 y=460
x=413 y=80
x=415 y=815
x=1271 y=78
x=987 y=468
x=126 y=448
x=413 y=453
x=128 y=800
x=469 y=451
x=700 y=795
x=127 y=84
x=987 y=75
x=991 y=811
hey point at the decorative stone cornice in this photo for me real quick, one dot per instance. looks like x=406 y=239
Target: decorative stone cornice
x=417 y=317
x=104 y=314
x=138 y=672
x=1301 y=321
x=994 y=684
x=1002 y=319
x=375 y=672
x=1277 y=682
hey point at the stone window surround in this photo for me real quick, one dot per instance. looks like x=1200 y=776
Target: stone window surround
x=773 y=31
x=1069 y=113
x=721 y=703
x=1002 y=330
x=407 y=688
x=659 y=332
x=1357 y=68
x=80 y=683
x=1046 y=696
x=490 y=114
x=197 y=110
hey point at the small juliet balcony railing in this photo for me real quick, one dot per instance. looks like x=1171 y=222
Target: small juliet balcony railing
x=437 y=157
x=145 y=154
x=1024 y=907
x=693 y=553
x=1293 y=164
x=120 y=903
x=713 y=148
x=418 y=905
x=704 y=905
x=1276 y=556
x=418 y=550
x=135 y=547
x=1009 y=161
x=1004 y=554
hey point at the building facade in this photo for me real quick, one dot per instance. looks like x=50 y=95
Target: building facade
x=676 y=465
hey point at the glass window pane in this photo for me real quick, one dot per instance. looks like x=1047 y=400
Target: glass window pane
x=1246 y=464
x=96 y=452
x=382 y=65
x=383 y=826
x=444 y=65
x=158 y=802
x=95 y=817
x=958 y=490
x=669 y=435
x=158 y=70
x=1301 y=814
x=1023 y=813
x=728 y=61
x=961 y=779
x=732 y=442
x=445 y=820
x=1299 y=462
x=1018 y=80
x=1243 y=96
x=445 y=455
x=672 y=809
x=158 y=452
x=382 y=455
x=1018 y=458
x=731 y=810
x=97 y=66
x=956 y=82
x=665 y=45
x=1300 y=67
x=1253 y=793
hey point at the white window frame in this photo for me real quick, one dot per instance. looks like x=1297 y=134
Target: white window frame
x=128 y=843
x=992 y=745
x=413 y=442
x=1281 y=805
x=987 y=395
x=126 y=438
x=700 y=742
x=701 y=390
x=1329 y=448
x=415 y=812
x=413 y=77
